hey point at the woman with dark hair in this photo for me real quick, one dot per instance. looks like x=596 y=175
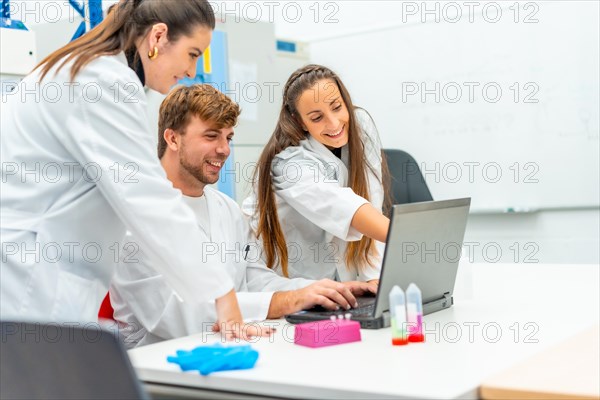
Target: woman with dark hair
x=319 y=189
x=80 y=120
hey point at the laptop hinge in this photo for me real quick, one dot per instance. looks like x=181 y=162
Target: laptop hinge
x=435 y=305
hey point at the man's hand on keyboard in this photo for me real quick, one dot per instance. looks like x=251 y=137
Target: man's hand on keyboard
x=329 y=294
x=362 y=288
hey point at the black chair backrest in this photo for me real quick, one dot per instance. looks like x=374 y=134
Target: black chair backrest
x=407 y=182
x=53 y=361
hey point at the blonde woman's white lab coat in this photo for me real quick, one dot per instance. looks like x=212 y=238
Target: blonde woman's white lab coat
x=79 y=167
x=148 y=310
x=315 y=206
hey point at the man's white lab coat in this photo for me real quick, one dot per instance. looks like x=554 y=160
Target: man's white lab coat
x=150 y=311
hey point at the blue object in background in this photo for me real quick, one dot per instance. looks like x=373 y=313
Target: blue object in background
x=213 y=358
x=5 y=8
x=12 y=24
x=79 y=32
x=95 y=12
x=218 y=76
x=283 y=45
x=7 y=22
x=95 y=15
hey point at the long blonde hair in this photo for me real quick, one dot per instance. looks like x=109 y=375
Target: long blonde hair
x=127 y=22
x=289 y=132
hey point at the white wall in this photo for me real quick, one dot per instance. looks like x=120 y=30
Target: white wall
x=557 y=236
x=369 y=41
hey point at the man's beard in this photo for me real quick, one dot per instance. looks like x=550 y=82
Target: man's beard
x=196 y=170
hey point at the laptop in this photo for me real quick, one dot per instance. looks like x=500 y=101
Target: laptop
x=424 y=245
x=68 y=361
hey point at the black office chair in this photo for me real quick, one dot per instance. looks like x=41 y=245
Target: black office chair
x=53 y=361
x=407 y=182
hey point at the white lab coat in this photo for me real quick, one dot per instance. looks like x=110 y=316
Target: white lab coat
x=149 y=310
x=315 y=206
x=62 y=227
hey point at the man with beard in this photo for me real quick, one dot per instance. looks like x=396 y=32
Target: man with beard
x=196 y=126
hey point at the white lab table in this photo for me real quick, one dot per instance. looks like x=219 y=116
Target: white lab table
x=503 y=314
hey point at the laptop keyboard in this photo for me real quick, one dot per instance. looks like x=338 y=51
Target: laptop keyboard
x=366 y=308
x=364 y=311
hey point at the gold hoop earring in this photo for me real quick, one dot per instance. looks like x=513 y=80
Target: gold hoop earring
x=153 y=54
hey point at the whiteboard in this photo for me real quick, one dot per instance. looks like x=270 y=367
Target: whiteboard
x=515 y=124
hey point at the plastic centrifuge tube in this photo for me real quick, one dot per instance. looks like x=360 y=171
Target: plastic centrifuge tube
x=414 y=308
x=398 y=313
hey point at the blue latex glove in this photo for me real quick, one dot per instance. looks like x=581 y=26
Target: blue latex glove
x=211 y=358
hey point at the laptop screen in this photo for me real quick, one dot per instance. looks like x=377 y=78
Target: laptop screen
x=423 y=246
